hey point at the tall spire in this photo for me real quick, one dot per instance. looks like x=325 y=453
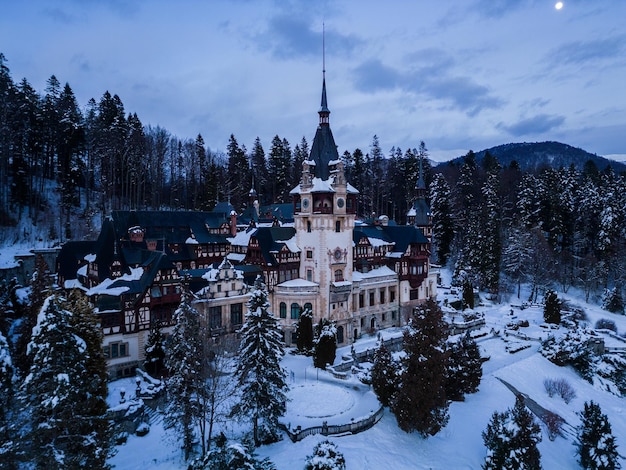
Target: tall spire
x=323 y=150
x=324 y=112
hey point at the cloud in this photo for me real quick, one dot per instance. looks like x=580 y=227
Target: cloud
x=539 y=124
x=287 y=37
x=496 y=8
x=373 y=75
x=435 y=80
x=588 y=52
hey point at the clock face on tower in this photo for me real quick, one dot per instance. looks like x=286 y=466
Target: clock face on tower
x=337 y=254
x=305 y=203
x=340 y=202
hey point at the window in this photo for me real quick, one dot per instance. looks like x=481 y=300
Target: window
x=361 y=300
x=309 y=254
x=236 y=314
x=309 y=275
x=338 y=226
x=308 y=226
x=371 y=298
x=382 y=296
x=414 y=294
x=338 y=275
x=283 y=310
x=392 y=296
x=362 y=322
x=384 y=317
x=117 y=349
x=294 y=337
x=219 y=288
x=215 y=317
x=295 y=311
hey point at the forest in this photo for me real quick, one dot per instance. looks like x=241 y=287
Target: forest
x=496 y=225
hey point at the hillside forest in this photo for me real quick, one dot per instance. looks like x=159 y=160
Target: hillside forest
x=495 y=225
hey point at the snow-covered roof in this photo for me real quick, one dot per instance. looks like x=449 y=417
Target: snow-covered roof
x=82 y=271
x=238 y=257
x=90 y=258
x=323 y=186
x=297 y=283
x=341 y=283
x=377 y=242
x=378 y=272
x=291 y=244
x=191 y=241
x=104 y=288
x=242 y=238
x=73 y=284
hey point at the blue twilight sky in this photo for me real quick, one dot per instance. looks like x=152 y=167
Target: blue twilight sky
x=457 y=74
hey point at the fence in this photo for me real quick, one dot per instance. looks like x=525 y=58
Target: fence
x=332 y=430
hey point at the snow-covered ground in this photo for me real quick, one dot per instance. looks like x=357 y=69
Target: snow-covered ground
x=317 y=396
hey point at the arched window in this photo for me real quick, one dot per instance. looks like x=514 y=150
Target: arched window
x=308 y=306
x=283 y=310
x=340 y=334
x=338 y=275
x=295 y=311
x=373 y=323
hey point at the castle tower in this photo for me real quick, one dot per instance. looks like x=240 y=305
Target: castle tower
x=324 y=214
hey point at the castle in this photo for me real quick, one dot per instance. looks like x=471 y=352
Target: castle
x=361 y=275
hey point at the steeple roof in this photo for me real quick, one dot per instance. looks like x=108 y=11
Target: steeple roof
x=323 y=149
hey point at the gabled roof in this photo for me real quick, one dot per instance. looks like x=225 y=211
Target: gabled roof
x=72 y=255
x=400 y=236
x=273 y=239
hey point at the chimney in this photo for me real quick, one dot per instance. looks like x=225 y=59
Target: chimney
x=233 y=223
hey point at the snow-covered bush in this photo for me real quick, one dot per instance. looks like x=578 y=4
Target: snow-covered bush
x=572 y=349
x=325 y=456
x=605 y=324
x=596 y=444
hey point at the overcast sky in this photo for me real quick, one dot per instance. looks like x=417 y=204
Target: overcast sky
x=457 y=74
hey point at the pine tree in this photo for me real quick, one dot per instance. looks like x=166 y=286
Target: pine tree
x=491 y=226
x=6 y=401
x=185 y=362
x=613 y=301
x=325 y=456
x=155 y=350
x=259 y=373
x=552 y=307
x=325 y=344
x=596 y=444
x=231 y=456
x=511 y=440
x=420 y=403
x=443 y=225
x=497 y=438
x=94 y=407
x=464 y=368
x=385 y=375
x=61 y=432
x=304 y=332
x=524 y=451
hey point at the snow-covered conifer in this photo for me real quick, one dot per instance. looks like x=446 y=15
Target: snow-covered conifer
x=385 y=375
x=60 y=431
x=613 y=301
x=596 y=444
x=155 y=350
x=259 y=373
x=464 y=368
x=420 y=403
x=185 y=361
x=325 y=344
x=551 y=307
x=304 y=332
x=325 y=456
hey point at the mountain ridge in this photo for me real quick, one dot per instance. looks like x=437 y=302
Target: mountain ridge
x=535 y=155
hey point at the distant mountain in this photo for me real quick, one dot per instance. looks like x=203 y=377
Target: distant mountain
x=534 y=155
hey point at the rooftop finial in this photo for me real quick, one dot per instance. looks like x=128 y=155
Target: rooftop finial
x=323 y=50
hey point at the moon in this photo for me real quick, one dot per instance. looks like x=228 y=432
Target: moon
x=558 y=5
